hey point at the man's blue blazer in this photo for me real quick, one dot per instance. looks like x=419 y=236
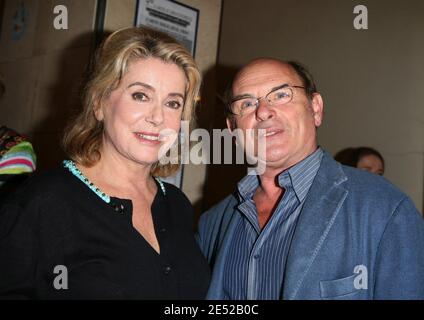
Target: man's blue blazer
x=357 y=237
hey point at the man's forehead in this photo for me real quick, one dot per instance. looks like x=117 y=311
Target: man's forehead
x=263 y=71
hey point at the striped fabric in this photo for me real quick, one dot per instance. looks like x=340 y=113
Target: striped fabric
x=255 y=269
x=18 y=159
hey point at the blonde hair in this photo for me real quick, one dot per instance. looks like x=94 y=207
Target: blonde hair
x=83 y=138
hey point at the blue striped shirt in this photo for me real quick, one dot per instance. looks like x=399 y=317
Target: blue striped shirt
x=256 y=263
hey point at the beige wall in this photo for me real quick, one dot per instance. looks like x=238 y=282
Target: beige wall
x=370 y=79
x=206 y=57
x=42 y=71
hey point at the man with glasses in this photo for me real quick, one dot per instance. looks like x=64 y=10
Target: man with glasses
x=307 y=227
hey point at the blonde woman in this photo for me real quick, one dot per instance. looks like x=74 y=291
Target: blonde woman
x=104 y=226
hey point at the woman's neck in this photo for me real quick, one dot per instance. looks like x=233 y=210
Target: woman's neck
x=120 y=177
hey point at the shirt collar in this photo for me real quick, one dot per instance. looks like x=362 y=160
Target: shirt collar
x=303 y=173
x=299 y=177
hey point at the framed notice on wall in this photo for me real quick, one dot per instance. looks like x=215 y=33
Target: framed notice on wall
x=174 y=18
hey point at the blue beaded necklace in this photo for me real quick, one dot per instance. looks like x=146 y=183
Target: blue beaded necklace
x=70 y=165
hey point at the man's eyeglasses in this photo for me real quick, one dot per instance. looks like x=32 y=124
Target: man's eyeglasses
x=246 y=105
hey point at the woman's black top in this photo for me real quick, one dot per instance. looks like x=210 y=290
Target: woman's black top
x=60 y=240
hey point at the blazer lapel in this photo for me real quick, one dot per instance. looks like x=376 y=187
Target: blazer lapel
x=322 y=205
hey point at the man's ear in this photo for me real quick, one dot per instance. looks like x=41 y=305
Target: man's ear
x=318 y=109
x=231 y=125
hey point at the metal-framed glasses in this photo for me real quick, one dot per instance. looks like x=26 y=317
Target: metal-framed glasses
x=245 y=105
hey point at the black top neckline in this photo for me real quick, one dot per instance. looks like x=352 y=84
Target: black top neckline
x=160 y=193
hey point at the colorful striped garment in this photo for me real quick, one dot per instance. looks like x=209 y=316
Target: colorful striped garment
x=16 y=154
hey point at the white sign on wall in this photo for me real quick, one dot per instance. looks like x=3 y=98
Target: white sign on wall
x=171 y=17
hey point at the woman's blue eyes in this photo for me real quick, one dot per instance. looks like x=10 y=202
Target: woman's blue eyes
x=139 y=96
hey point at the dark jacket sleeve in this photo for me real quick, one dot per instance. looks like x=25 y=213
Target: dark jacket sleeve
x=399 y=266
